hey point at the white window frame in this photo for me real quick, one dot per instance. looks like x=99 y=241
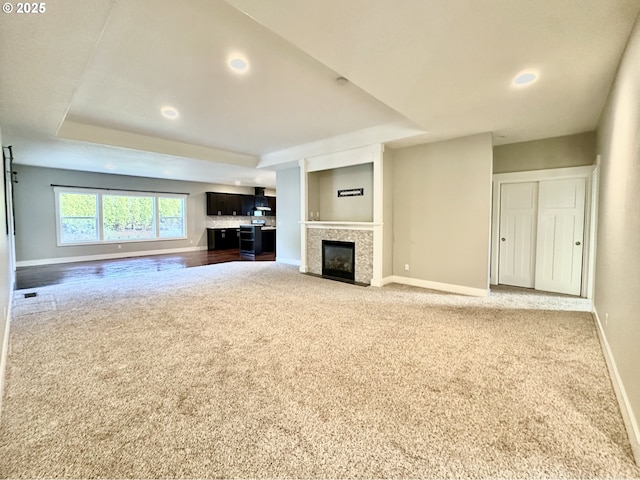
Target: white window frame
x=100 y=193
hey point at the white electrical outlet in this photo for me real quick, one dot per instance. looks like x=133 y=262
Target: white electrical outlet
x=406 y=267
x=119 y=247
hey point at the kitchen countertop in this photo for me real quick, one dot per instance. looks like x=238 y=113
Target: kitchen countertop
x=264 y=227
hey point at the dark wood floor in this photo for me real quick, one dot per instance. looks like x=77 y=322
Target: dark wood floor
x=33 y=277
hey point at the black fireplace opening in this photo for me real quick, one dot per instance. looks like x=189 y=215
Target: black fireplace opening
x=339 y=260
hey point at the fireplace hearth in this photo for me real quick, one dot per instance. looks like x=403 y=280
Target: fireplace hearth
x=339 y=260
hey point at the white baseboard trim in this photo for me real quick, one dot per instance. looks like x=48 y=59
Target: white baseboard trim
x=4 y=348
x=628 y=416
x=382 y=282
x=288 y=261
x=444 y=287
x=104 y=256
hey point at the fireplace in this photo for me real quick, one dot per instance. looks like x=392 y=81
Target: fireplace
x=339 y=260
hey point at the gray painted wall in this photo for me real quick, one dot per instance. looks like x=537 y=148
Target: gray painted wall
x=288 y=231
x=617 y=280
x=35 y=211
x=347 y=209
x=313 y=196
x=568 y=151
x=442 y=211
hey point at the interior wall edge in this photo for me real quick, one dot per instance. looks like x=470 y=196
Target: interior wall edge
x=630 y=422
x=4 y=348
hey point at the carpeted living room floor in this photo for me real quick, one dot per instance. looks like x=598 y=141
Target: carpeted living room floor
x=253 y=370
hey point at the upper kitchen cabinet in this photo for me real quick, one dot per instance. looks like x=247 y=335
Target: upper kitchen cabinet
x=246 y=204
x=223 y=204
x=240 y=204
x=216 y=203
x=234 y=206
x=271 y=203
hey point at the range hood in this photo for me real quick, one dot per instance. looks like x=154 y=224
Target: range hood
x=261 y=201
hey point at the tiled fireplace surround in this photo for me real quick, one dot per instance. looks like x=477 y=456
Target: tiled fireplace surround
x=363 y=240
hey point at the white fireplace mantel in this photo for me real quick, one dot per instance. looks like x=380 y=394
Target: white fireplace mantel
x=341 y=225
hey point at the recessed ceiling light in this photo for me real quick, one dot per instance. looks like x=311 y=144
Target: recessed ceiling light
x=238 y=64
x=170 y=113
x=168 y=173
x=238 y=182
x=110 y=166
x=525 y=78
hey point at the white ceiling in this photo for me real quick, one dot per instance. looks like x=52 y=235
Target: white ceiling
x=82 y=84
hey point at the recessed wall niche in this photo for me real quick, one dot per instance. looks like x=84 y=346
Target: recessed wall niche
x=324 y=203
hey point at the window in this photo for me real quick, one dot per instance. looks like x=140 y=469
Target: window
x=171 y=216
x=78 y=215
x=126 y=217
x=87 y=216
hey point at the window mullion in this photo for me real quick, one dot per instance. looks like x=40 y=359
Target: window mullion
x=100 y=216
x=156 y=214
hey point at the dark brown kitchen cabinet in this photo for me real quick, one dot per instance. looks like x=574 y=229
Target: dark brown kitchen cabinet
x=234 y=206
x=250 y=240
x=268 y=239
x=271 y=203
x=223 y=238
x=247 y=204
x=234 y=240
x=216 y=203
x=238 y=204
x=224 y=204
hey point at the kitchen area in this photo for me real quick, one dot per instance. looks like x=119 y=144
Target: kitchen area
x=242 y=223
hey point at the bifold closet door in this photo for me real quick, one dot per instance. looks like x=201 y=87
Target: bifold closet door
x=560 y=238
x=518 y=217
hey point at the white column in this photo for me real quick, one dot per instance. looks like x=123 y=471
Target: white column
x=378 y=203
x=304 y=204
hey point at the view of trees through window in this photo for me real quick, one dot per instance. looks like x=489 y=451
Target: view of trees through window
x=171 y=212
x=123 y=217
x=128 y=218
x=78 y=217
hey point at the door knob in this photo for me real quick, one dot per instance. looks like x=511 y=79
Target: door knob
x=578 y=243
x=503 y=239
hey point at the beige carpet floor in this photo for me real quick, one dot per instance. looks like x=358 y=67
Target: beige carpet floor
x=253 y=370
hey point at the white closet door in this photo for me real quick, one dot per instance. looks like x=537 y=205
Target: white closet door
x=518 y=217
x=560 y=239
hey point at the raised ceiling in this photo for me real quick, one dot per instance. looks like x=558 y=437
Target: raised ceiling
x=83 y=83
